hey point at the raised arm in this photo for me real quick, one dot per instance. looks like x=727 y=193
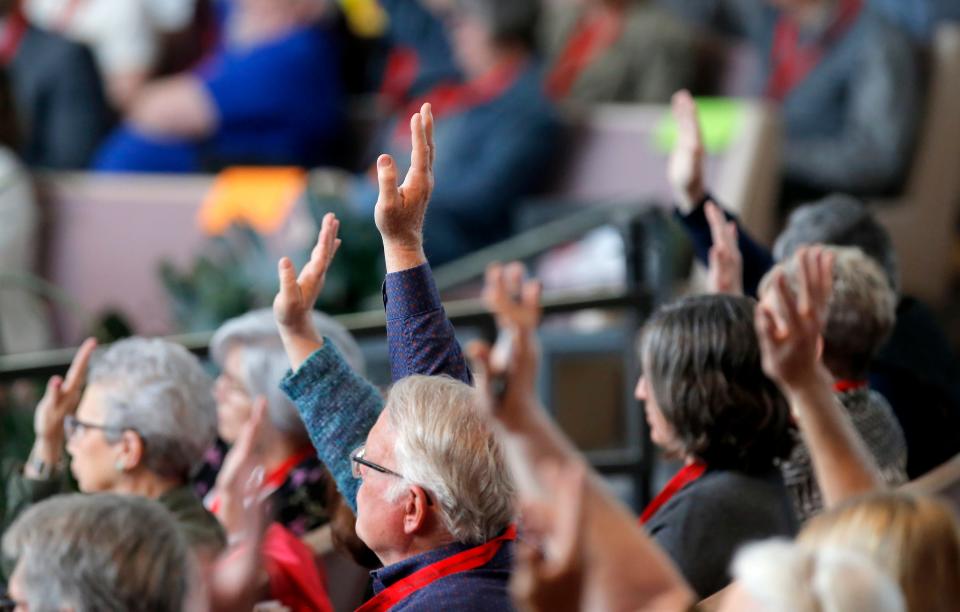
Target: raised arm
x=595 y=551
x=687 y=178
x=336 y=404
x=420 y=337
x=789 y=326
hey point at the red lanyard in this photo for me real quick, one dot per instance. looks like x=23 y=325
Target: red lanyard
x=13 y=34
x=275 y=479
x=399 y=75
x=590 y=39
x=791 y=61
x=688 y=474
x=842 y=385
x=450 y=99
x=472 y=558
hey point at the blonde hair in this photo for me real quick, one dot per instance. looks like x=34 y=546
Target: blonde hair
x=915 y=538
x=444 y=444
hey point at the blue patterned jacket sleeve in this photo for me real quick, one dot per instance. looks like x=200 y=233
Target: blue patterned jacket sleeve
x=420 y=337
x=338 y=407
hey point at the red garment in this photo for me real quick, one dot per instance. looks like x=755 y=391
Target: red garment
x=453 y=98
x=399 y=75
x=296 y=580
x=475 y=557
x=276 y=478
x=791 y=61
x=842 y=385
x=592 y=37
x=685 y=476
x=13 y=34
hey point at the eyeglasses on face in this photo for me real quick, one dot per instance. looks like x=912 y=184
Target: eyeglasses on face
x=72 y=426
x=356 y=458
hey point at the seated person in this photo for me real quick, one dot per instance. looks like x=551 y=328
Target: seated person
x=616 y=51
x=140 y=428
x=709 y=403
x=860 y=315
x=61 y=109
x=269 y=94
x=497 y=129
x=302 y=494
x=427 y=478
x=848 y=84
x=98 y=552
x=123 y=36
x=915 y=369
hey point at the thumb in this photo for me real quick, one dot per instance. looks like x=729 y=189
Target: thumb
x=288 y=278
x=53 y=392
x=387 y=178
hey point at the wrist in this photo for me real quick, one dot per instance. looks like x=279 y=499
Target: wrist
x=403 y=255
x=809 y=382
x=44 y=459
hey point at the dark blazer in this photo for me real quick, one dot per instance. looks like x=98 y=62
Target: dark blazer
x=705 y=523
x=61 y=108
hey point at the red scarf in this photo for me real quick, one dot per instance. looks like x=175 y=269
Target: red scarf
x=13 y=34
x=791 y=61
x=593 y=36
x=472 y=558
x=277 y=476
x=685 y=476
x=452 y=98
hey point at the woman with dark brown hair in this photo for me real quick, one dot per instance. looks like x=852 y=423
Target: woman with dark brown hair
x=709 y=404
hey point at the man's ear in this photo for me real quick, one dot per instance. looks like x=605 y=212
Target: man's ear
x=131 y=450
x=415 y=512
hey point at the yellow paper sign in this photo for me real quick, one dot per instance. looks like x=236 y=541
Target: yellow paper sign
x=259 y=197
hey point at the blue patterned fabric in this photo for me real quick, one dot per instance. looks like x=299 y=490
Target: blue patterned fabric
x=420 y=337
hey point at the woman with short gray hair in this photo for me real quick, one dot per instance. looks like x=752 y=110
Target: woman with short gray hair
x=303 y=496
x=140 y=428
x=98 y=553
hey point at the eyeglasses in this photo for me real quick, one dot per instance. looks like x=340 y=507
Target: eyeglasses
x=356 y=457
x=72 y=425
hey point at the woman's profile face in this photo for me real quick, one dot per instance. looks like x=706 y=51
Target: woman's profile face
x=661 y=431
x=234 y=404
x=93 y=458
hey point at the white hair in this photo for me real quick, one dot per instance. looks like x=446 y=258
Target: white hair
x=445 y=444
x=788 y=577
x=264 y=361
x=160 y=390
x=99 y=553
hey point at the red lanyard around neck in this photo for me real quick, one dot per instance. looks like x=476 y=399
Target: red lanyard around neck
x=791 y=61
x=593 y=36
x=469 y=559
x=685 y=476
x=15 y=30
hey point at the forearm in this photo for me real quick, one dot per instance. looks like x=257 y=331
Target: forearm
x=420 y=337
x=338 y=408
x=841 y=462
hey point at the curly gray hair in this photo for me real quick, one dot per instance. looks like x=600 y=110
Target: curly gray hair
x=160 y=390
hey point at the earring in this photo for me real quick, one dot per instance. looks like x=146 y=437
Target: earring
x=119 y=466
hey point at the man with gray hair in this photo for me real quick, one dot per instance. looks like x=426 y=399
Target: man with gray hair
x=426 y=477
x=98 y=553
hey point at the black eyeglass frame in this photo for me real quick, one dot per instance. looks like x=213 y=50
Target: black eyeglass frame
x=71 y=425
x=357 y=458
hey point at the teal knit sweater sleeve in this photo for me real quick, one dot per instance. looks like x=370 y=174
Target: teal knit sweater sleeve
x=338 y=407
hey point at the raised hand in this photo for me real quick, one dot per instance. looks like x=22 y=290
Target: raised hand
x=685 y=169
x=237 y=486
x=294 y=302
x=726 y=264
x=60 y=399
x=789 y=324
x=550 y=577
x=515 y=303
x=400 y=211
